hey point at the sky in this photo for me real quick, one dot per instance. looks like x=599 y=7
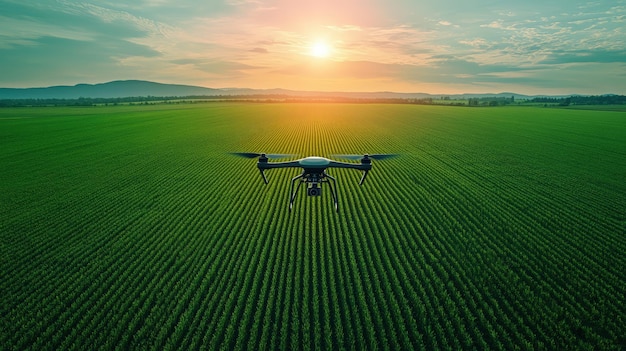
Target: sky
x=436 y=46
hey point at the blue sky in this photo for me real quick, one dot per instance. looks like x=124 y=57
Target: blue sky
x=444 y=46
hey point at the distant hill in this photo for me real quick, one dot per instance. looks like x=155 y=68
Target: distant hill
x=115 y=89
x=138 y=88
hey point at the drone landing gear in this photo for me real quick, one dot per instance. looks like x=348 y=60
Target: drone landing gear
x=314 y=182
x=332 y=191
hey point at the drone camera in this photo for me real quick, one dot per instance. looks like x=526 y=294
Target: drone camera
x=314 y=189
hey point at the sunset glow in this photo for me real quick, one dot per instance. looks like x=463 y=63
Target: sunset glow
x=320 y=49
x=450 y=46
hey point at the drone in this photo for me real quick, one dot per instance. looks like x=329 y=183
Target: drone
x=314 y=171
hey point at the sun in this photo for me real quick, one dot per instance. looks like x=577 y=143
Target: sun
x=320 y=49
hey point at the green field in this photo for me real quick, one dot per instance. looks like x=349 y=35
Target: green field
x=131 y=227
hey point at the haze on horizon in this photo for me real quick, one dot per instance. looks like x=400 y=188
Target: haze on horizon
x=441 y=47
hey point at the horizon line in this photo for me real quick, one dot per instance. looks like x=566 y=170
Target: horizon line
x=302 y=91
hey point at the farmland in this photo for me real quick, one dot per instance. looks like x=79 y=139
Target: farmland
x=131 y=227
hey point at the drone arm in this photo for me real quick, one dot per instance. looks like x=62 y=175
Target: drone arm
x=360 y=166
x=272 y=165
x=263 y=165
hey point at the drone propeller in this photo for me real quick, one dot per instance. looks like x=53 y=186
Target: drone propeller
x=262 y=159
x=359 y=157
x=255 y=155
x=366 y=159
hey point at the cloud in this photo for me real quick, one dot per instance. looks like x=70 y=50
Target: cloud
x=494 y=24
x=243 y=2
x=223 y=66
x=477 y=43
x=71 y=43
x=59 y=60
x=591 y=56
x=207 y=69
x=75 y=21
x=259 y=50
x=345 y=28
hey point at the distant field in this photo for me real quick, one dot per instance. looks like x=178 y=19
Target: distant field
x=616 y=108
x=131 y=227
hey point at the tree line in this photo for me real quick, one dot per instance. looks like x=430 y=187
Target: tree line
x=583 y=100
x=477 y=101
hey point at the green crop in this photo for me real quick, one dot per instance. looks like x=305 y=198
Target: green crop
x=131 y=227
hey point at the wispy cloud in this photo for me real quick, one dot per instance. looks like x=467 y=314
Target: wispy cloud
x=259 y=50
